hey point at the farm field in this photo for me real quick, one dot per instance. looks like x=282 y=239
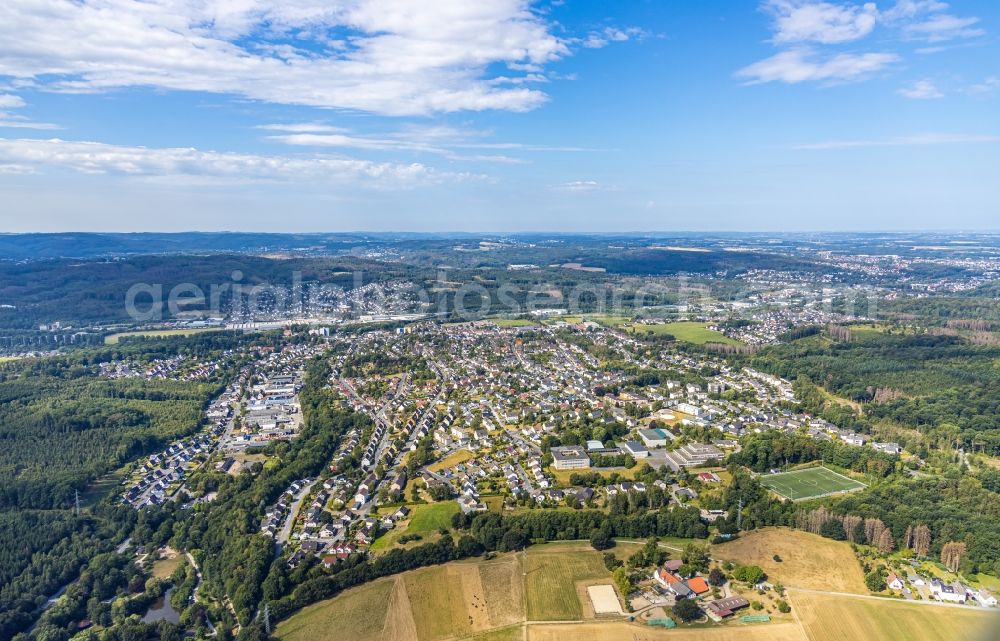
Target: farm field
x=688 y=332
x=807 y=560
x=541 y=595
x=842 y=618
x=479 y=600
x=112 y=339
x=556 y=579
x=621 y=631
x=810 y=483
x=314 y=622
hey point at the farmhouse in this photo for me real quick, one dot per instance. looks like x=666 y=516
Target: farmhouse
x=720 y=609
x=697 y=585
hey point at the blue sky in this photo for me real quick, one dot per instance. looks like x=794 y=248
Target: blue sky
x=502 y=115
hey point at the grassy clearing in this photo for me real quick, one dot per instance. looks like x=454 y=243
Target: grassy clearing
x=431 y=517
x=514 y=322
x=453 y=459
x=554 y=575
x=687 y=332
x=807 y=560
x=810 y=483
x=9 y=359
x=562 y=476
x=839 y=618
x=608 y=320
x=165 y=567
x=113 y=339
x=425 y=519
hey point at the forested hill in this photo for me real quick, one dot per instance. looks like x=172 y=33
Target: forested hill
x=945 y=386
x=95 y=290
x=89 y=245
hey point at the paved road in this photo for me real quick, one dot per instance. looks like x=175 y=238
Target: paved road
x=293 y=511
x=872 y=597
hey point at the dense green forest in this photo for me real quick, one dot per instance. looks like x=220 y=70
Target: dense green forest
x=945 y=386
x=59 y=434
x=42 y=551
x=955 y=507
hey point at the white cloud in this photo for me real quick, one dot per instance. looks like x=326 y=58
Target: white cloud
x=187 y=163
x=17 y=121
x=439 y=140
x=921 y=90
x=599 y=39
x=304 y=127
x=579 y=186
x=801 y=65
x=988 y=85
x=823 y=22
x=383 y=56
x=927 y=20
x=8 y=101
x=9 y=121
x=905 y=9
x=904 y=141
x=944 y=27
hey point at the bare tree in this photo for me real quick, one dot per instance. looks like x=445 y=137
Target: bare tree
x=952 y=553
x=922 y=540
x=886 y=543
x=873 y=530
x=851 y=523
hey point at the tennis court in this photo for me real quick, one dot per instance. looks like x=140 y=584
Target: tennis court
x=810 y=483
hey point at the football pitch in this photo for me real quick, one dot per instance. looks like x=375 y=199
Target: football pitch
x=810 y=483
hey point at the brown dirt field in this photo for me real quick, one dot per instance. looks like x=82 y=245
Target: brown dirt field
x=636 y=632
x=807 y=560
x=504 y=586
x=439 y=610
x=399 y=624
x=470 y=580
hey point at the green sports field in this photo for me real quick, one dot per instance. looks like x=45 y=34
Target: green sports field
x=810 y=483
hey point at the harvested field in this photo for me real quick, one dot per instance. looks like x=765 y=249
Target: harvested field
x=807 y=560
x=841 y=618
x=614 y=631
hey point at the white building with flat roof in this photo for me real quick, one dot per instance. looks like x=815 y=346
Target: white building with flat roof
x=570 y=457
